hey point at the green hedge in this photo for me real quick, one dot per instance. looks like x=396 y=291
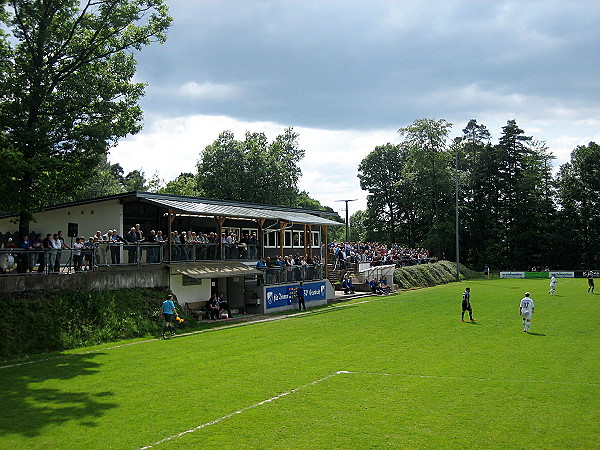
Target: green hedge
x=425 y=275
x=36 y=323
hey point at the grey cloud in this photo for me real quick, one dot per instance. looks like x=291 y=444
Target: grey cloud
x=364 y=64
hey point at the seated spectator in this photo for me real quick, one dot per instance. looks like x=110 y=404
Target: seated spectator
x=212 y=307
x=224 y=305
x=347 y=284
x=375 y=287
x=385 y=289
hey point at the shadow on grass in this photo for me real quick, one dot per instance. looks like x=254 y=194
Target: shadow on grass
x=535 y=334
x=27 y=405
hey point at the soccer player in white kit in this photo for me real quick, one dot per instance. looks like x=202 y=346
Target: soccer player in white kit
x=552 y=285
x=526 y=311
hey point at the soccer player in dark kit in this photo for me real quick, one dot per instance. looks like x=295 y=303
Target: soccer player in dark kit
x=466 y=305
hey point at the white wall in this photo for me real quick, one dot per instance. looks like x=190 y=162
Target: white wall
x=196 y=293
x=90 y=218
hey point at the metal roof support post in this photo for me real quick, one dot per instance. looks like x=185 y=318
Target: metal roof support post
x=260 y=237
x=282 y=226
x=305 y=250
x=220 y=221
x=170 y=219
x=326 y=254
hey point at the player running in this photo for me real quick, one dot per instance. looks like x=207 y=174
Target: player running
x=466 y=305
x=590 y=278
x=526 y=311
x=552 y=285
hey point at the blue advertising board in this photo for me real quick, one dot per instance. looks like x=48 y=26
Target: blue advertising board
x=279 y=296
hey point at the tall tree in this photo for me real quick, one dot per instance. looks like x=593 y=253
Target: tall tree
x=429 y=163
x=252 y=170
x=479 y=220
x=67 y=94
x=523 y=170
x=379 y=174
x=185 y=184
x=579 y=194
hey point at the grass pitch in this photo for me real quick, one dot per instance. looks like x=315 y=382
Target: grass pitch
x=398 y=371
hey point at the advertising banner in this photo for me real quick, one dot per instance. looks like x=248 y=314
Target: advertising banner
x=536 y=274
x=278 y=296
x=562 y=274
x=512 y=274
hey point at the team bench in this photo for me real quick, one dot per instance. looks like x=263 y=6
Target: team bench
x=197 y=310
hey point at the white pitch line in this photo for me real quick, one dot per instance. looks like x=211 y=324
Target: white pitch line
x=256 y=405
x=445 y=377
x=348 y=372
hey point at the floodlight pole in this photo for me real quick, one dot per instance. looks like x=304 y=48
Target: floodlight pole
x=347 y=222
x=456 y=206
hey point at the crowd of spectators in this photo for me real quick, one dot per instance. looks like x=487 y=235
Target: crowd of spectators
x=286 y=269
x=111 y=248
x=377 y=254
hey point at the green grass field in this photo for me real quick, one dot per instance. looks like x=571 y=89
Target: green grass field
x=397 y=371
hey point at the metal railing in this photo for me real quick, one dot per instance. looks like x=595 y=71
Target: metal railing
x=104 y=254
x=291 y=274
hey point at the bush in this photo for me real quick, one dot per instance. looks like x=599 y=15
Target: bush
x=36 y=323
x=425 y=275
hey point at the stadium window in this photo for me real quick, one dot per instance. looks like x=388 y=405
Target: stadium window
x=287 y=238
x=248 y=231
x=234 y=230
x=271 y=238
x=298 y=239
x=316 y=239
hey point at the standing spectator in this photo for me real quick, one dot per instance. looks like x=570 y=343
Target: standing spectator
x=300 y=295
x=48 y=250
x=169 y=311
x=152 y=247
x=53 y=252
x=590 y=279
x=184 y=249
x=90 y=248
x=132 y=239
x=24 y=258
x=78 y=253
x=526 y=310
x=253 y=244
x=466 y=305
x=139 y=233
x=62 y=246
x=101 y=241
x=552 y=285
x=40 y=254
x=115 y=247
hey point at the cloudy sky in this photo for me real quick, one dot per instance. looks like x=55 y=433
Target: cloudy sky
x=347 y=74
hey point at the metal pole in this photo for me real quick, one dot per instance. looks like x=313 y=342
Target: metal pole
x=457 y=246
x=347 y=221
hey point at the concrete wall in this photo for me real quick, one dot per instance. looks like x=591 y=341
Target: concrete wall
x=102 y=279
